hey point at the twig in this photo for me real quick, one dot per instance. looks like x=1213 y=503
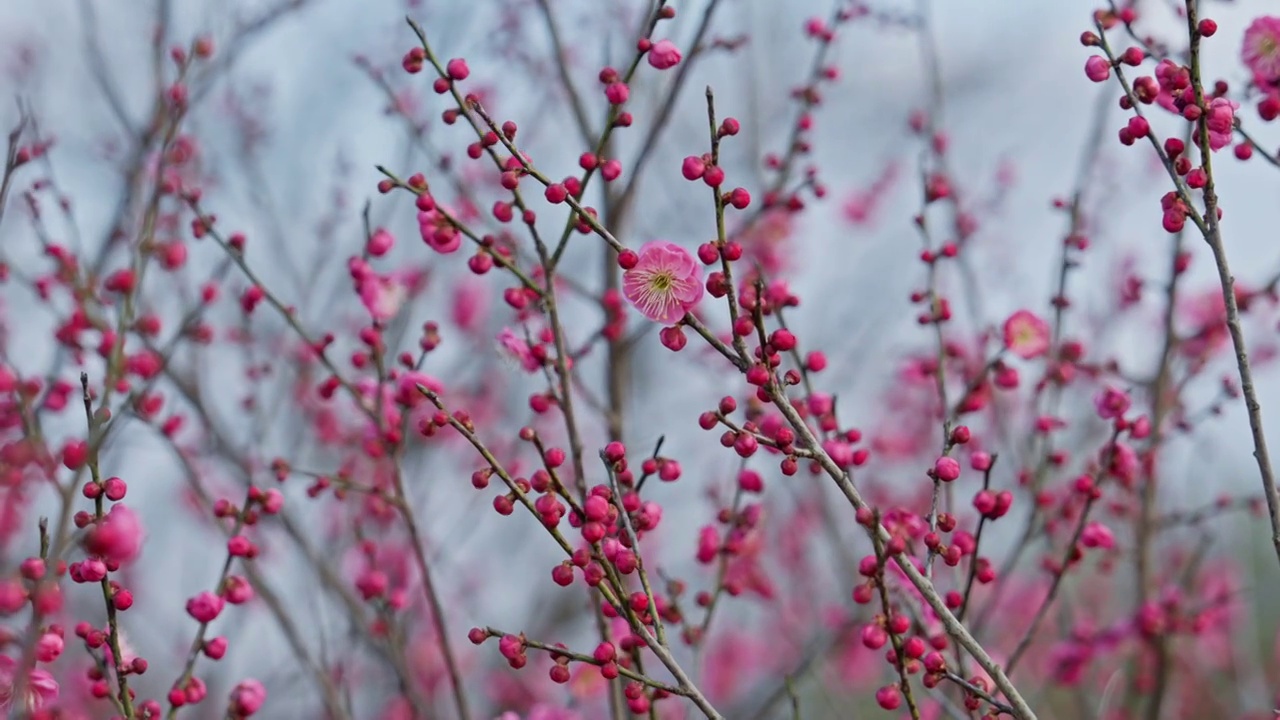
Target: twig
x=1213 y=235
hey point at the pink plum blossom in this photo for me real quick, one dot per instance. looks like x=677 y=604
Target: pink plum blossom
x=117 y=538
x=41 y=688
x=205 y=607
x=438 y=232
x=516 y=349
x=1220 y=119
x=1026 y=335
x=470 y=306
x=247 y=698
x=1111 y=403
x=665 y=283
x=382 y=296
x=664 y=54
x=1261 y=49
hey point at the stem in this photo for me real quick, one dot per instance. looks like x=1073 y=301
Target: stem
x=437 y=610
x=928 y=593
x=1213 y=236
x=904 y=680
x=124 y=698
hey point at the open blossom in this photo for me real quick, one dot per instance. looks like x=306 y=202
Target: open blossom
x=470 y=306
x=734 y=661
x=1203 y=321
x=863 y=205
x=665 y=283
x=407 y=392
x=127 y=652
x=767 y=242
x=382 y=296
x=41 y=688
x=1261 y=49
x=518 y=350
x=1026 y=335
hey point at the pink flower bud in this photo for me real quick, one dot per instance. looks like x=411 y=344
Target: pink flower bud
x=617 y=93
x=237 y=590
x=708 y=545
x=117 y=538
x=215 y=648
x=205 y=607
x=247 y=698
x=49 y=647
x=664 y=54
x=1111 y=403
x=1097 y=535
x=12 y=597
x=946 y=469
x=1097 y=68
x=380 y=242
x=74 y=454
x=693 y=168
x=457 y=69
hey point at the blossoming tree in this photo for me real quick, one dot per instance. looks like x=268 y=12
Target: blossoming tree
x=526 y=434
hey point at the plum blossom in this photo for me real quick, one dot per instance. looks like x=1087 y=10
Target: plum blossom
x=863 y=205
x=1097 y=535
x=1068 y=661
x=127 y=652
x=664 y=54
x=247 y=698
x=1261 y=49
x=438 y=232
x=470 y=306
x=382 y=296
x=1173 y=82
x=1220 y=119
x=117 y=538
x=1122 y=462
x=1111 y=403
x=380 y=242
x=516 y=349
x=49 y=647
x=407 y=392
x=665 y=283
x=767 y=242
x=41 y=688
x=733 y=661
x=1097 y=68
x=205 y=607
x=708 y=544
x=1026 y=335
x=1203 y=322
